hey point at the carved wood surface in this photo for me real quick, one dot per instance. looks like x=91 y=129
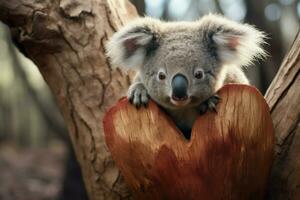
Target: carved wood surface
x=229 y=155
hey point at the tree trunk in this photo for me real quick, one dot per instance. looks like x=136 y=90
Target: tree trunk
x=283 y=97
x=65 y=39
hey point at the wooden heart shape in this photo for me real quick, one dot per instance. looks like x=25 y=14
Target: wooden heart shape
x=229 y=155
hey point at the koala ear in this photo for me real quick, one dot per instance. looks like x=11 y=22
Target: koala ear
x=234 y=43
x=129 y=46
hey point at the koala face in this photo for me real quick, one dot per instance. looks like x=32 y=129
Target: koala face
x=177 y=74
x=180 y=63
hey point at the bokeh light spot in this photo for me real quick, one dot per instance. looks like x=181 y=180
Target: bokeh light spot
x=273 y=12
x=286 y=2
x=154 y=8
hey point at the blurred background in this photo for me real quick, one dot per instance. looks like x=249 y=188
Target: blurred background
x=36 y=159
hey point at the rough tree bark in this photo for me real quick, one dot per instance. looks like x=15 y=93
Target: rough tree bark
x=283 y=97
x=65 y=39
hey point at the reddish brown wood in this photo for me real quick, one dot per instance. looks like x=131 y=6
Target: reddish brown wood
x=228 y=157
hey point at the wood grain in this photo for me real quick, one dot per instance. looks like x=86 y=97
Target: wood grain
x=228 y=156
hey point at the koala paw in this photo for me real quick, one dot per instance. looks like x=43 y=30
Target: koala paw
x=138 y=95
x=209 y=104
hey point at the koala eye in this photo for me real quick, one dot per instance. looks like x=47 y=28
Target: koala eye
x=161 y=75
x=199 y=74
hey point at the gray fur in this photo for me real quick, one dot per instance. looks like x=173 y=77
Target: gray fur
x=213 y=44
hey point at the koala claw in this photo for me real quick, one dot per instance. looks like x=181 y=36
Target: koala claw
x=138 y=95
x=209 y=104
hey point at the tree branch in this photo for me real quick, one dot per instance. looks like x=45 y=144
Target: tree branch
x=283 y=98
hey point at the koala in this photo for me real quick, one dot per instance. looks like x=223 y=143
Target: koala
x=181 y=65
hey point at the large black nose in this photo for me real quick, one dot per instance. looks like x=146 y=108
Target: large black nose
x=179 y=87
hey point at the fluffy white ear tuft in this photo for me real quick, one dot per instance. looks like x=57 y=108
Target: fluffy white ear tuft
x=235 y=43
x=129 y=46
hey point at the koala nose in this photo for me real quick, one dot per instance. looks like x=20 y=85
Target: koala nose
x=179 y=87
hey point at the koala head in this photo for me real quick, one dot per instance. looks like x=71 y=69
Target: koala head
x=180 y=62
